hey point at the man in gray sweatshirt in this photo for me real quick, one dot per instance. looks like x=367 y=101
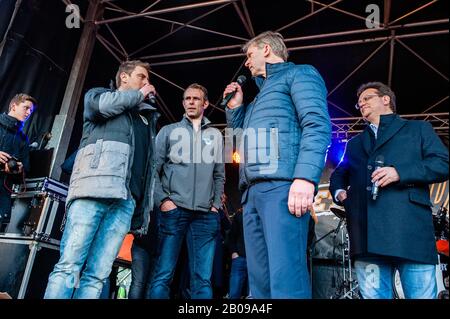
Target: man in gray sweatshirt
x=190 y=176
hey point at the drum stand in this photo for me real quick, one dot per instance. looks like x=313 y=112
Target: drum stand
x=313 y=245
x=348 y=288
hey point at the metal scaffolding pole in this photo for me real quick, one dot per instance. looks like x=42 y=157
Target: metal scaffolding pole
x=64 y=121
x=304 y=47
x=312 y=37
x=187 y=25
x=390 y=32
x=16 y=9
x=307 y=16
x=174 y=9
x=422 y=59
x=345 y=12
x=247 y=17
x=414 y=11
x=345 y=127
x=391 y=57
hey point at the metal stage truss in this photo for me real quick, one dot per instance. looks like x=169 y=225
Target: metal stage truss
x=105 y=18
x=346 y=127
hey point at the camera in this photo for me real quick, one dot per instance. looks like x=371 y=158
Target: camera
x=13 y=165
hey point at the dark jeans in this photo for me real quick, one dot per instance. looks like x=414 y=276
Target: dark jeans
x=141 y=272
x=238 y=278
x=217 y=277
x=200 y=229
x=143 y=258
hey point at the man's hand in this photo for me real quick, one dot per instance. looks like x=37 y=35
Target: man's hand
x=147 y=89
x=341 y=196
x=234 y=255
x=213 y=209
x=4 y=157
x=384 y=176
x=301 y=197
x=237 y=98
x=167 y=205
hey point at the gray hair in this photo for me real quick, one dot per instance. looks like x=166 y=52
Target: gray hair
x=274 y=39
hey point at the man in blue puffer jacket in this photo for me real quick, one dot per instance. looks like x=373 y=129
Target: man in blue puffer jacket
x=286 y=133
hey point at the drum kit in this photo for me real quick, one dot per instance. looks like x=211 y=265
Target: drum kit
x=441 y=228
x=332 y=244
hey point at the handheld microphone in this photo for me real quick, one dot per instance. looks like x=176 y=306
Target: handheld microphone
x=379 y=163
x=151 y=98
x=240 y=80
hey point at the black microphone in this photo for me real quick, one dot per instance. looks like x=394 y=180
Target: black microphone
x=240 y=80
x=151 y=98
x=379 y=163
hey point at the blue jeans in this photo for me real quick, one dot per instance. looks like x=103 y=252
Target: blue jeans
x=94 y=232
x=200 y=229
x=238 y=278
x=275 y=242
x=375 y=278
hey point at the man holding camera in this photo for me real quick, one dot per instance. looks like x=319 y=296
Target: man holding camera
x=14 y=150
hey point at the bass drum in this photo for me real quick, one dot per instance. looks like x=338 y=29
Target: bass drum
x=441 y=280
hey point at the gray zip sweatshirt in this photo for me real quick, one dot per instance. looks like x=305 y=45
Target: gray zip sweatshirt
x=190 y=170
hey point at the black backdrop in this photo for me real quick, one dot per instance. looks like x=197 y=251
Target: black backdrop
x=37 y=58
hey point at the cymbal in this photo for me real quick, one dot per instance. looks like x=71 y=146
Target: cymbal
x=340 y=213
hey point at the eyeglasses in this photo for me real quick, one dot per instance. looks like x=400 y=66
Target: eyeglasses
x=364 y=100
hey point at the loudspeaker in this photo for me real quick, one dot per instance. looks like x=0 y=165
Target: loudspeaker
x=26 y=265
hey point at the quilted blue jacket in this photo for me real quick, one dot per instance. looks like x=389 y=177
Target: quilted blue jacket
x=286 y=128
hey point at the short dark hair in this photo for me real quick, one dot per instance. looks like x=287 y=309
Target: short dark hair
x=198 y=87
x=382 y=89
x=128 y=67
x=20 y=98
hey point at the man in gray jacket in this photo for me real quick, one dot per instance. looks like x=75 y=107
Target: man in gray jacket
x=189 y=183
x=111 y=183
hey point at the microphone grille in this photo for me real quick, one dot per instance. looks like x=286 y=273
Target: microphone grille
x=241 y=79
